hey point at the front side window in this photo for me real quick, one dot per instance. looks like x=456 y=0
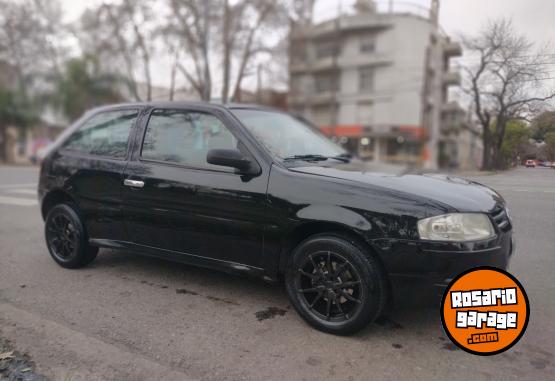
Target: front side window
x=104 y=134
x=285 y=136
x=185 y=137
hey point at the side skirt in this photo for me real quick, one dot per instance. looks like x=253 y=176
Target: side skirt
x=190 y=259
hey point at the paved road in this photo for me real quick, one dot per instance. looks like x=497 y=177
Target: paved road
x=129 y=317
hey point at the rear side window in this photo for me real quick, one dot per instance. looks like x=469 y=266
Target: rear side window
x=185 y=137
x=105 y=134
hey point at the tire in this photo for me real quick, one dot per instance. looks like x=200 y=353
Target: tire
x=66 y=237
x=342 y=300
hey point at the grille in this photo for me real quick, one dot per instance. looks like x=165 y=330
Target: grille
x=501 y=219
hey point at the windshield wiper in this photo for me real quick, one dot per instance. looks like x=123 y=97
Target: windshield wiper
x=345 y=157
x=306 y=158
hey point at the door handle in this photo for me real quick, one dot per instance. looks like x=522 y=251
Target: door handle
x=133 y=183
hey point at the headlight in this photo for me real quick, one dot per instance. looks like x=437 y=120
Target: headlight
x=456 y=227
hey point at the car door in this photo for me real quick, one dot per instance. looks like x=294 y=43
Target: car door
x=178 y=202
x=90 y=164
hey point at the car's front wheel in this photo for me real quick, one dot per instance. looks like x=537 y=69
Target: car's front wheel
x=334 y=285
x=66 y=238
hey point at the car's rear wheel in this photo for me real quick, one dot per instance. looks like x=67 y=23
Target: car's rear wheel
x=334 y=285
x=66 y=238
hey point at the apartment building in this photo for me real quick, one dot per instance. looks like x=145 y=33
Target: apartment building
x=366 y=79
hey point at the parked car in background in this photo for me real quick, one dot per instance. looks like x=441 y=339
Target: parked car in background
x=530 y=164
x=546 y=164
x=252 y=190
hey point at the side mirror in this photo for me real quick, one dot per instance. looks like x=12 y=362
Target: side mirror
x=234 y=159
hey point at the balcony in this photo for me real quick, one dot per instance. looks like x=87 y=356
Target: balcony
x=451 y=78
x=298 y=67
x=452 y=49
x=452 y=106
x=347 y=23
x=450 y=126
x=343 y=61
x=308 y=98
x=357 y=60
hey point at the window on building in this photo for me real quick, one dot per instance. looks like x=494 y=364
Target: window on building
x=325 y=49
x=298 y=53
x=367 y=44
x=321 y=115
x=184 y=137
x=324 y=82
x=365 y=113
x=366 y=78
x=366 y=148
x=298 y=84
x=104 y=134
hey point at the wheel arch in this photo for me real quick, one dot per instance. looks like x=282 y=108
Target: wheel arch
x=53 y=198
x=309 y=229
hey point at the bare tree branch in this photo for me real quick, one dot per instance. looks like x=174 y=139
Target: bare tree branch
x=500 y=84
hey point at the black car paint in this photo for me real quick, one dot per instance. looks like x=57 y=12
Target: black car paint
x=250 y=224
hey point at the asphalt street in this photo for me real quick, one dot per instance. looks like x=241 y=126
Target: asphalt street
x=127 y=317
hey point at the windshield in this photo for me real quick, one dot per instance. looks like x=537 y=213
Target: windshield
x=285 y=136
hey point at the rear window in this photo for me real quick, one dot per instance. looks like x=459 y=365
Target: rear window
x=104 y=134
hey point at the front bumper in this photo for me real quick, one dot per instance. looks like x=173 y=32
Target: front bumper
x=496 y=257
x=417 y=270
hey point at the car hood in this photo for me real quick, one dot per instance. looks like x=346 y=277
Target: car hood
x=457 y=193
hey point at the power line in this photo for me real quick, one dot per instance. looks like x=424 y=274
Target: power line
x=477 y=58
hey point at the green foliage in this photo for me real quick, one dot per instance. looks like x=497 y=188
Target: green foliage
x=83 y=86
x=15 y=109
x=516 y=137
x=550 y=144
x=543 y=124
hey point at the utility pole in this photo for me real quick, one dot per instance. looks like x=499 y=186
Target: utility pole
x=336 y=72
x=433 y=94
x=259 y=83
x=206 y=43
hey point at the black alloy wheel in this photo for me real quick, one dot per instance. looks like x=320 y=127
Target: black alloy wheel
x=62 y=237
x=66 y=239
x=334 y=284
x=329 y=285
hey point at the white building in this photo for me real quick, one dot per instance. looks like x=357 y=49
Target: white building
x=364 y=78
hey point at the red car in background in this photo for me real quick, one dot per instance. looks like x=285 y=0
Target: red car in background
x=530 y=164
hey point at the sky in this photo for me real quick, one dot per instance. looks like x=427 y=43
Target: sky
x=533 y=18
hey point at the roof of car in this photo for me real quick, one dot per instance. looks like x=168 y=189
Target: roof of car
x=179 y=104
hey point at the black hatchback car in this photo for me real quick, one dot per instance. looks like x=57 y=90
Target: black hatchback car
x=253 y=190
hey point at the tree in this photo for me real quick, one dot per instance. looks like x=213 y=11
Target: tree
x=16 y=109
x=543 y=124
x=506 y=84
x=31 y=45
x=550 y=145
x=302 y=11
x=189 y=25
x=123 y=36
x=230 y=31
x=82 y=86
x=32 y=39
x=515 y=142
x=251 y=18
